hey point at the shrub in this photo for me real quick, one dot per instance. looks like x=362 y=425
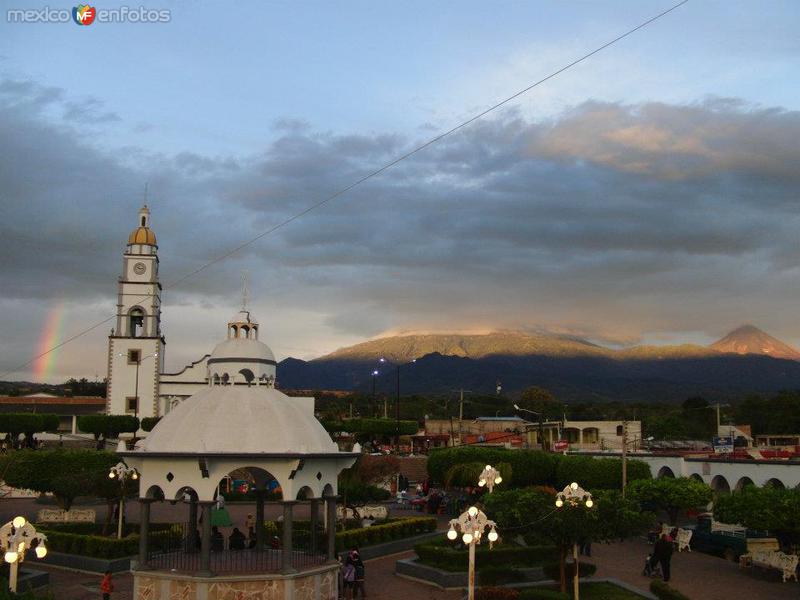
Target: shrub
x=442 y=555
x=492 y=575
x=496 y=593
x=665 y=592
x=551 y=570
x=542 y=594
x=385 y=532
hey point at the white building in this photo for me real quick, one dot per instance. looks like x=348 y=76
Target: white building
x=137 y=383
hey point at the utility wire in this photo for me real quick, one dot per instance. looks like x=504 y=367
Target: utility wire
x=367 y=177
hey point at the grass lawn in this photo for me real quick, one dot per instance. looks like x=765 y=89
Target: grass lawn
x=606 y=591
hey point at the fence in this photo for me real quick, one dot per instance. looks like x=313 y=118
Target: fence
x=178 y=548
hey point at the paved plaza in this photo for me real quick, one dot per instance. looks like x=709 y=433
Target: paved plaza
x=699 y=576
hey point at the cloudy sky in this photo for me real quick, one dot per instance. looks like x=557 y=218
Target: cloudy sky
x=647 y=195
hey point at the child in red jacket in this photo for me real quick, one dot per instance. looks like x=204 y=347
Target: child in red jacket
x=107 y=586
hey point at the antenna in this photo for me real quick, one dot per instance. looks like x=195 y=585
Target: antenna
x=146 y=183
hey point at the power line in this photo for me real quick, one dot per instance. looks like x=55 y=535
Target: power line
x=367 y=177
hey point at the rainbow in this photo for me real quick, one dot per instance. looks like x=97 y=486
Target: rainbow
x=50 y=336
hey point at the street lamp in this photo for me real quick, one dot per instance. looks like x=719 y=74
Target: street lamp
x=573 y=495
x=136 y=385
x=121 y=472
x=541 y=423
x=397 y=406
x=16 y=538
x=375 y=373
x=472 y=524
x=489 y=477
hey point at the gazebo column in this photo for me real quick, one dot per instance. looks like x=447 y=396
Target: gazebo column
x=314 y=508
x=288 y=519
x=330 y=509
x=205 y=544
x=260 y=519
x=144 y=531
x=192 y=537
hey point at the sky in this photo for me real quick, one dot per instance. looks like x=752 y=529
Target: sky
x=647 y=195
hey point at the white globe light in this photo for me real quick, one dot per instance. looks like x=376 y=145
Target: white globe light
x=41 y=551
x=559 y=503
x=498 y=479
x=574 y=485
x=589 y=503
x=18 y=522
x=135 y=475
x=467 y=538
x=488 y=467
x=493 y=536
x=451 y=535
x=481 y=482
x=472 y=511
x=11 y=557
x=111 y=474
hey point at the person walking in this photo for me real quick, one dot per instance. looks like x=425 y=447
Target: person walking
x=358 y=584
x=348 y=577
x=106 y=586
x=662 y=553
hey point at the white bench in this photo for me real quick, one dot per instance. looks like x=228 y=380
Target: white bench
x=770 y=559
x=683 y=537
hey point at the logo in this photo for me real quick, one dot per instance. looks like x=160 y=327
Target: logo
x=83 y=14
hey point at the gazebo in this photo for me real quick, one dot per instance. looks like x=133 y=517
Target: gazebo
x=240 y=421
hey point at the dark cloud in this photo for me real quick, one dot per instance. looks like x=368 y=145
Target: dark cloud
x=609 y=221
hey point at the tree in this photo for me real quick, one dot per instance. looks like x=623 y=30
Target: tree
x=671 y=495
x=767 y=508
x=66 y=474
x=105 y=427
x=364 y=481
x=532 y=513
x=148 y=423
x=28 y=423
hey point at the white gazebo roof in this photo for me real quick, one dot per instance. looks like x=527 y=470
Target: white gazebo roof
x=240 y=420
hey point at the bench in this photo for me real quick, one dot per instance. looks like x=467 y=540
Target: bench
x=683 y=537
x=770 y=559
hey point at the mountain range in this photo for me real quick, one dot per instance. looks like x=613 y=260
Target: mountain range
x=747 y=360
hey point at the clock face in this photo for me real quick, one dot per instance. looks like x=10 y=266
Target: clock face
x=139 y=268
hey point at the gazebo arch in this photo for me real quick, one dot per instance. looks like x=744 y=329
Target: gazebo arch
x=743 y=483
x=696 y=477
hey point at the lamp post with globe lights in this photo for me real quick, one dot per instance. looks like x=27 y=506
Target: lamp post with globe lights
x=574 y=495
x=489 y=477
x=472 y=523
x=122 y=472
x=16 y=538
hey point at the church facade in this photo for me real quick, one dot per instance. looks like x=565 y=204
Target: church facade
x=137 y=382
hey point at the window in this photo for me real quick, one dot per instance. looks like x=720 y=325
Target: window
x=619 y=430
x=134 y=356
x=132 y=404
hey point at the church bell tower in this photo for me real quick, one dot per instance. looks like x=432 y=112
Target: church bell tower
x=136 y=346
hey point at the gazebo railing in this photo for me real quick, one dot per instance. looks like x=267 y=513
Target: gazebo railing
x=178 y=549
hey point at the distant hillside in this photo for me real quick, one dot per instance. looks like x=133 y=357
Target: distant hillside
x=749 y=339
x=404 y=348
x=573 y=369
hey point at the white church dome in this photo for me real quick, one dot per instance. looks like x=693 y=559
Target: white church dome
x=229 y=419
x=238 y=348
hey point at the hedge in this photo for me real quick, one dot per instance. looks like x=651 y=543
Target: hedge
x=534 y=467
x=499 y=575
x=542 y=594
x=377 y=534
x=496 y=593
x=665 y=592
x=553 y=570
x=98 y=546
x=440 y=555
